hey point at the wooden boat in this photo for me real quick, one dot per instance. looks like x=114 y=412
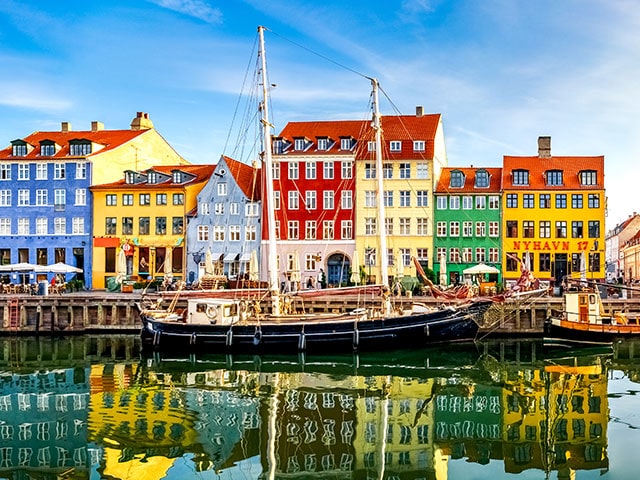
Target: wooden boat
x=235 y=324
x=583 y=319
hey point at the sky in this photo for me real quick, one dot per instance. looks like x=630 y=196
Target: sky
x=500 y=72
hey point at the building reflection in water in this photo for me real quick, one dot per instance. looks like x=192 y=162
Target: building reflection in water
x=89 y=404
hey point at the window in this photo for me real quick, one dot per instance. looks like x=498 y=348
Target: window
x=494 y=255
x=520 y=177
x=323 y=143
x=370 y=199
x=347 y=230
x=177 y=226
x=79 y=148
x=576 y=229
x=5 y=226
x=347 y=200
x=405 y=198
x=111 y=199
x=454 y=229
x=218 y=208
x=554 y=177
x=161 y=225
x=576 y=200
x=59 y=198
x=441 y=229
x=144 y=226
x=481 y=202
x=528 y=200
x=110 y=226
x=294 y=170
x=387 y=170
x=481 y=255
x=369 y=170
x=467 y=229
x=234 y=208
x=42 y=226
x=23 y=226
x=481 y=229
x=594 y=229
x=293 y=232
x=594 y=200
x=388 y=198
x=42 y=197
x=23 y=171
x=467 y=202
x=405 y=226
x=457 y=179
x=422 y=198
x=5 y=172
x=441 y=203
x=346 y=143
x=127 y=199
x=310 y=201
x=395 y=146
x=594 y=262
x=422 y=170
x=454 y=255
x=405 y=170
x=5 y=198
x=145 y=199
x=222 y=189
x=545 y=229
x=512 y=200
x=252 y=209
x=299 y=144
x=310 y=170
x=588 y=177
x=545 y=200
x=327 y=171
x=81 y=170
x=482 y=178
x=467 y=255
x=528 y=229
x=81 y=196
x=234 y=233
x=328 y=200
x=294 y=200
x=494 y=202
x=494 y=229
x=218 y=233
x=127 y=225
x=327 y=230
x=561 y=229
x=250 y=232
x=370 y=226
x=178 y=198
x=512 y=229
x=561 y=200
x=512 y=263
x=41 y=171
x=422 y=226
x=59 y=171
x=388 y=226
x=77 y=225
x=203 y=233
x=418 y=145
x=347 y=169
x=310 y=229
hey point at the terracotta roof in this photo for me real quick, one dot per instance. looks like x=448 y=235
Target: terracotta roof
x=537 y=166
x=109 y=139
x=404 y=128
x=246 y=176
x=201 y=174
x=444 y=182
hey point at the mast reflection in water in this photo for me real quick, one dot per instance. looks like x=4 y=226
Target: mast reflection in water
x=90 y=407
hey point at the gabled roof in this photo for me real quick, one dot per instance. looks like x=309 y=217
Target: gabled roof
x=246 y=176
x=108 y=139
x=201 y=173
x=404 y=128
x=495 y=179
x=537 y=166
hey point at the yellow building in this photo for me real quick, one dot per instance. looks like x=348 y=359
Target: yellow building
x=553 y=216
x=413 y=154
x=144 y=216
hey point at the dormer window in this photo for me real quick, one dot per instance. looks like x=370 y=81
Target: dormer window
x=323 y=144
x=520 y=177
x=178 y=176
x=588 y=177
x=395 y=146
x=299 y=144
x=19 y=149
x=278 y=146
x=418 y=145
x=457 y=179
x=554 y=177
x=482 y=179
x=79 y=148
x=152 y=177
x=47 y=149
x=346 y=143
x=129 y=177
x=371 y=146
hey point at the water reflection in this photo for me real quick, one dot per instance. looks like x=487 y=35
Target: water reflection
x=90 y=407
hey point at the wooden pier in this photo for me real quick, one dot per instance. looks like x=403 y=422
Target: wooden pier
x=88 y=312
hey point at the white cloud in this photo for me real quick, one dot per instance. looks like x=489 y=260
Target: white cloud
x=31 y=96
x=193 y=8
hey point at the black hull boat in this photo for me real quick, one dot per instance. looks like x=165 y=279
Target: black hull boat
x=217 y=327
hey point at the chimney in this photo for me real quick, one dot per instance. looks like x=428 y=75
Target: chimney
x=141 y=122
x=544 y=147
x=419 y=111
x=66 y=127
x=97 y=126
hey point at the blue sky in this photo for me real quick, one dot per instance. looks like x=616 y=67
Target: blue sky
x=501 y=72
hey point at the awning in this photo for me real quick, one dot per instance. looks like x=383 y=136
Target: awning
x=245 y=257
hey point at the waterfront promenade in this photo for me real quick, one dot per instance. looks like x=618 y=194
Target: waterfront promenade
x=100 y=311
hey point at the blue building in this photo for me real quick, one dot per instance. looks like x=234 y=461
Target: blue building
x=227 y=222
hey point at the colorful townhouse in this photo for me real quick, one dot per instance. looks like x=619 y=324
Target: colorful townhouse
x=413 y=153
x=144 y=215
x=619 y=258
x=467 y=222
x=45 y=177
x=314 y=186
x=226 y=221
x=553 y=216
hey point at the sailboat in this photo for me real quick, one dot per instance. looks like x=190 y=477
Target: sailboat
x=239 y=324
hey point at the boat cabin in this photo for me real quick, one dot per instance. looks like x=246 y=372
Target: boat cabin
x=584 y=307
x=212 y=311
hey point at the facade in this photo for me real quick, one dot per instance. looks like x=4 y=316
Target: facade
x=630 y=259
x=45 y=205
x=227 y=221
x=144 y=215
x=553 y=215
x=314 y=188
x=617 y=242
x=467 y=221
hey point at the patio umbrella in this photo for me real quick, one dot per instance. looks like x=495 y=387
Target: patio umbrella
x=121 y=267
x=400 y=267
x=583 y=267
x=208 y=262
x=168 y=263
x=253 y=267
x=61 y=267
x=443 y=270
x=355 y=268
x=295 y=267
x=23 y=267
x=480 y=269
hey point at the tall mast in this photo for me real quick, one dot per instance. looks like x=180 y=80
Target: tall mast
x=382 y=232
x=268 y=166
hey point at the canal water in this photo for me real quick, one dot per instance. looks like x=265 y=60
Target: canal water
x=94 y=407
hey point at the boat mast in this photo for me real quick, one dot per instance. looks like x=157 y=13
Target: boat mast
x=267 y=163
x=382 y=232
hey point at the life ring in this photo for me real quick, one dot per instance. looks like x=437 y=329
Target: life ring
x=211 y=312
